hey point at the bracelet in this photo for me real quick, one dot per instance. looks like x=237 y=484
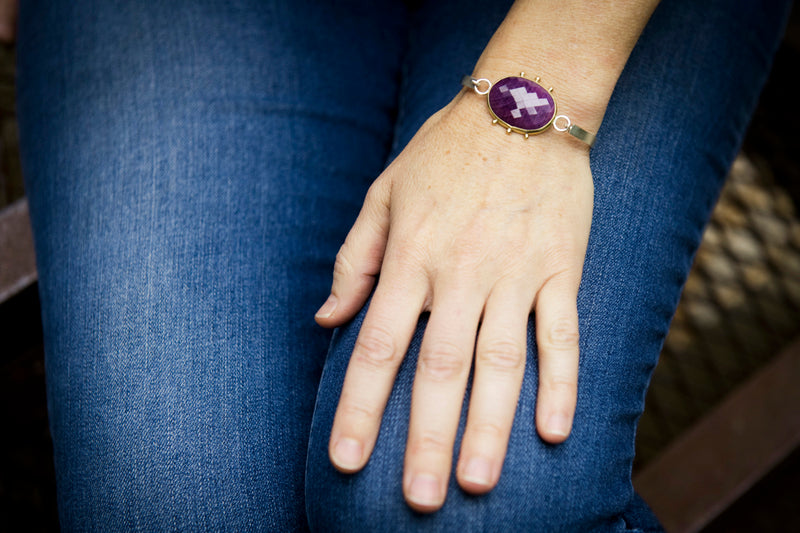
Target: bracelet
x=523 y=106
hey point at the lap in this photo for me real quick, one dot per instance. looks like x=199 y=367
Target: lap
x=672 y=128
x=191 y=169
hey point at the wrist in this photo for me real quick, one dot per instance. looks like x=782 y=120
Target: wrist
x=581 y=97
x=523 y=105
x=579 y=48
x=468 y=118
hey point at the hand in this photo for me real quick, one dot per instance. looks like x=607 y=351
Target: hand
x=479 y=228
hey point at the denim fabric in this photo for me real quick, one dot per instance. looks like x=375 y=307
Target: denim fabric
x=192 y=168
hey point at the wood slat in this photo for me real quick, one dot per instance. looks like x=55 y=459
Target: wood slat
x=709 y=466
x=17 y=261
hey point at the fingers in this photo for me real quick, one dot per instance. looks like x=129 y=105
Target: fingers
x=557 y=340
x=359 y=259
x=442 y=370
x=499 y=369
x=381 y=345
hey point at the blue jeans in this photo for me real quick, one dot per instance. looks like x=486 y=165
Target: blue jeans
x=192 y=168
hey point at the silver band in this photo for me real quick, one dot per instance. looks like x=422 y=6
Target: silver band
x=582 y=135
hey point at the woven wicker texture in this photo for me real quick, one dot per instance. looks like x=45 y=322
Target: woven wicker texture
x=740 y=305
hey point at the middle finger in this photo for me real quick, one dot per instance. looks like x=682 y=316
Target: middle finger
x=438 y=394
x=499 y=369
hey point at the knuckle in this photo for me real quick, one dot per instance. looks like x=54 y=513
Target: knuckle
x=354 y=411
x=343 y=266
x=561 y=385
x=375 y=192
x=373 y=218
x=562 y=334
x=561 y=251
x=407 y=252
x=502 y=355
x=466 y=258
x=442 y=361
x=375 y=346
x=429 y=442
x=488 y=429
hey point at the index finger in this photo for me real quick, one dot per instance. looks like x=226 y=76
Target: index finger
x=381 y=345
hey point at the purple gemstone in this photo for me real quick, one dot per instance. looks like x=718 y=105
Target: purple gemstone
x=522 y=104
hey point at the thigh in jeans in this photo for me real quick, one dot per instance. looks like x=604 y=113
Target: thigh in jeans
x=192 y=168
x=671 y=130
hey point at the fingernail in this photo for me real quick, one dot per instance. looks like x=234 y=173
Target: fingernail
x=347 y=453
x=478 y=470
x=424 y=490
x=328 y=307
x=558 y=424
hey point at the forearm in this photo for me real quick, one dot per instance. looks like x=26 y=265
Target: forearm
x=578 y=47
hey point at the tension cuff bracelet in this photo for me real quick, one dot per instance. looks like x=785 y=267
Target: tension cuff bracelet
x=523 y=106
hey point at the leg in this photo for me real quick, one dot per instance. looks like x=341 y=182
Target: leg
x=672 y=128
x=191 y=169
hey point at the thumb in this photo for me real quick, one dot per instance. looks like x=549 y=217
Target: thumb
x=359 y=259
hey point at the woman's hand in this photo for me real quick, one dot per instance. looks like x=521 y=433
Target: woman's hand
x=479 y=228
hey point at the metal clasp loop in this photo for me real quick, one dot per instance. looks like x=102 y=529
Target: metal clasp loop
x=472 y=83
x=477 y=86
x=561 y=128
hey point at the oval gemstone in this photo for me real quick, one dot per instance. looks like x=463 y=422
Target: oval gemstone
x=522 y=103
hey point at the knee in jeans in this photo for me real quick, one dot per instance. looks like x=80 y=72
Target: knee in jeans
x=543 y=488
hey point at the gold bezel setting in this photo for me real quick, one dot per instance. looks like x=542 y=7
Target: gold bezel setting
x=522 y=131
x=574 y=130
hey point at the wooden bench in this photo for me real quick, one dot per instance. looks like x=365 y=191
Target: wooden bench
x=17 y=262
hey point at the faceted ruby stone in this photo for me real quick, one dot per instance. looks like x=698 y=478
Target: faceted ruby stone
x=522 y=103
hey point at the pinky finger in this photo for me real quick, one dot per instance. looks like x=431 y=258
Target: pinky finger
x=557 y=339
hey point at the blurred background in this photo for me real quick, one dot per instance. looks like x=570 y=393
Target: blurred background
x=717 y=446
